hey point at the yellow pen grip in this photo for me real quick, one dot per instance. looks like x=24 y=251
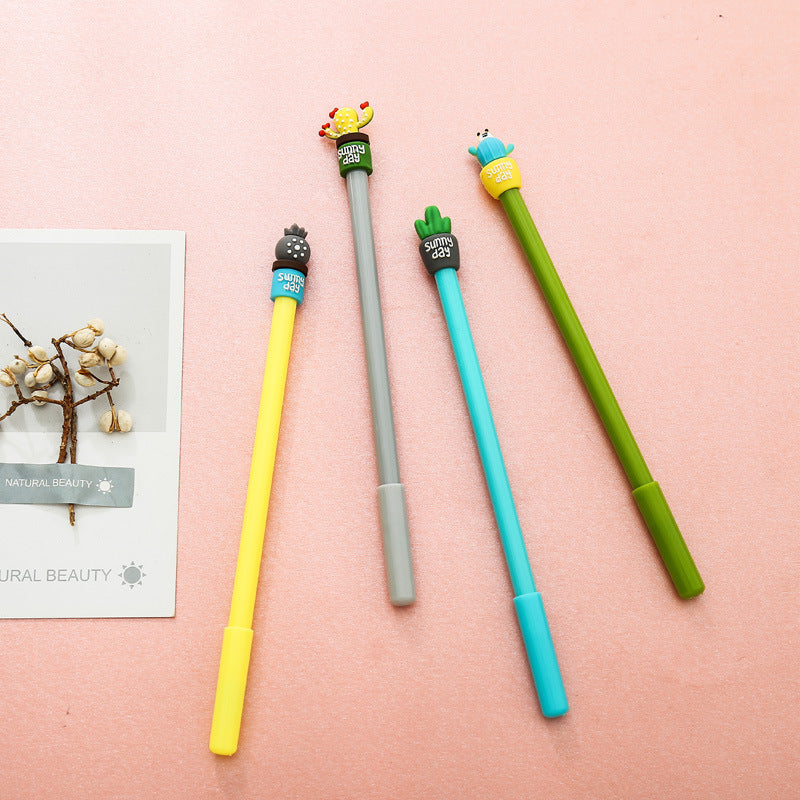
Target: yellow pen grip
x=231 y=683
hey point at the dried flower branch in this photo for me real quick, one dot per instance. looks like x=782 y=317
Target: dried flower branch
x=41 y=373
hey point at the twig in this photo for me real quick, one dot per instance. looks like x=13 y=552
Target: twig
x=98 y=393
x=69 y=431
x=25 y=341
x=25 y=400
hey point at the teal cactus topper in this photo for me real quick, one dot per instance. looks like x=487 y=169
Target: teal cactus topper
x=489 y=148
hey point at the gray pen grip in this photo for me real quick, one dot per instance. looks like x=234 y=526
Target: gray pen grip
x=396 y=547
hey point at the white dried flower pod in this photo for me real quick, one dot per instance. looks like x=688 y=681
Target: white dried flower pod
x=39 y=393
x=6 y=378
x=120 y=356
x=84 y=378
x=44 y=374
x=97 y=325
x=106 y=347
x=18 y=366
x=124 y=421
x=30 y=380
x=107 y=421
x=83 y=338
x=38 y=354
x=89 y=359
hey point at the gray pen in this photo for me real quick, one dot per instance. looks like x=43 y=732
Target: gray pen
x=355 y=165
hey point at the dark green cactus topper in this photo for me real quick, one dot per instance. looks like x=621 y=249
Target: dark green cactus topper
x=438 y=248
x=293 y=246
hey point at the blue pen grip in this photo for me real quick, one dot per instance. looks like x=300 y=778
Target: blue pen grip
x=541 y=654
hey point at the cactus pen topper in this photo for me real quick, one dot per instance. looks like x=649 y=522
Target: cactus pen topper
x=489 y=148
x=439 y=250
x=355 y=165
x=346 y=121
x=501 y=177
x=288 y=284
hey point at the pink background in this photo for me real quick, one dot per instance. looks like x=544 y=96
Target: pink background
x=658 y=145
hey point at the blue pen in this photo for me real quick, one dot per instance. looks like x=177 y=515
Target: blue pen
x=439 y=250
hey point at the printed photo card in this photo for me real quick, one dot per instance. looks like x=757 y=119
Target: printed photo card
x=91 y=331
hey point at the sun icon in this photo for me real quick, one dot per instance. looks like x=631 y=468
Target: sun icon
x=105 y=485
x=132 y=575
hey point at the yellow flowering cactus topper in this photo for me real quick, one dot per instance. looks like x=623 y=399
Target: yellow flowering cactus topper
x=346 y=120
x=352 y=146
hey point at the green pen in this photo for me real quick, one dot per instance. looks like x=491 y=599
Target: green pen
x=501 y=178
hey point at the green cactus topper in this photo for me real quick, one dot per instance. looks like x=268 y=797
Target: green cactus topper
x=434 y=223
x=438 y=247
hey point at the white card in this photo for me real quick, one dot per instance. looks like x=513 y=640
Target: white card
x=115 y=561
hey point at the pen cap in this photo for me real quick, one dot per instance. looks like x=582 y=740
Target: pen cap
x=396 y=544
x=541 y=654
x=667 y=536
x=231 y=682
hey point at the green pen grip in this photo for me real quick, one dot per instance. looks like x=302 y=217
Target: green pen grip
x=667 y=536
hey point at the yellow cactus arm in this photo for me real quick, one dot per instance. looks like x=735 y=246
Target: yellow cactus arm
x=368 y=114
x=329 y=131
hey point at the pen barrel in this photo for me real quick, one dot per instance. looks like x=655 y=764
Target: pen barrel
x=576 y=339
x=231 y=682
x=372 y=325
x=483 y=426
x=541 y=654
x=391 y=497
x=262 y=463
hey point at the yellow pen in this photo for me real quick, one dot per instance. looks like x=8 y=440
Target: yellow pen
x=288 y=282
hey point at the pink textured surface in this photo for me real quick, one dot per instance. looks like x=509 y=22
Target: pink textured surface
x=657 y=142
